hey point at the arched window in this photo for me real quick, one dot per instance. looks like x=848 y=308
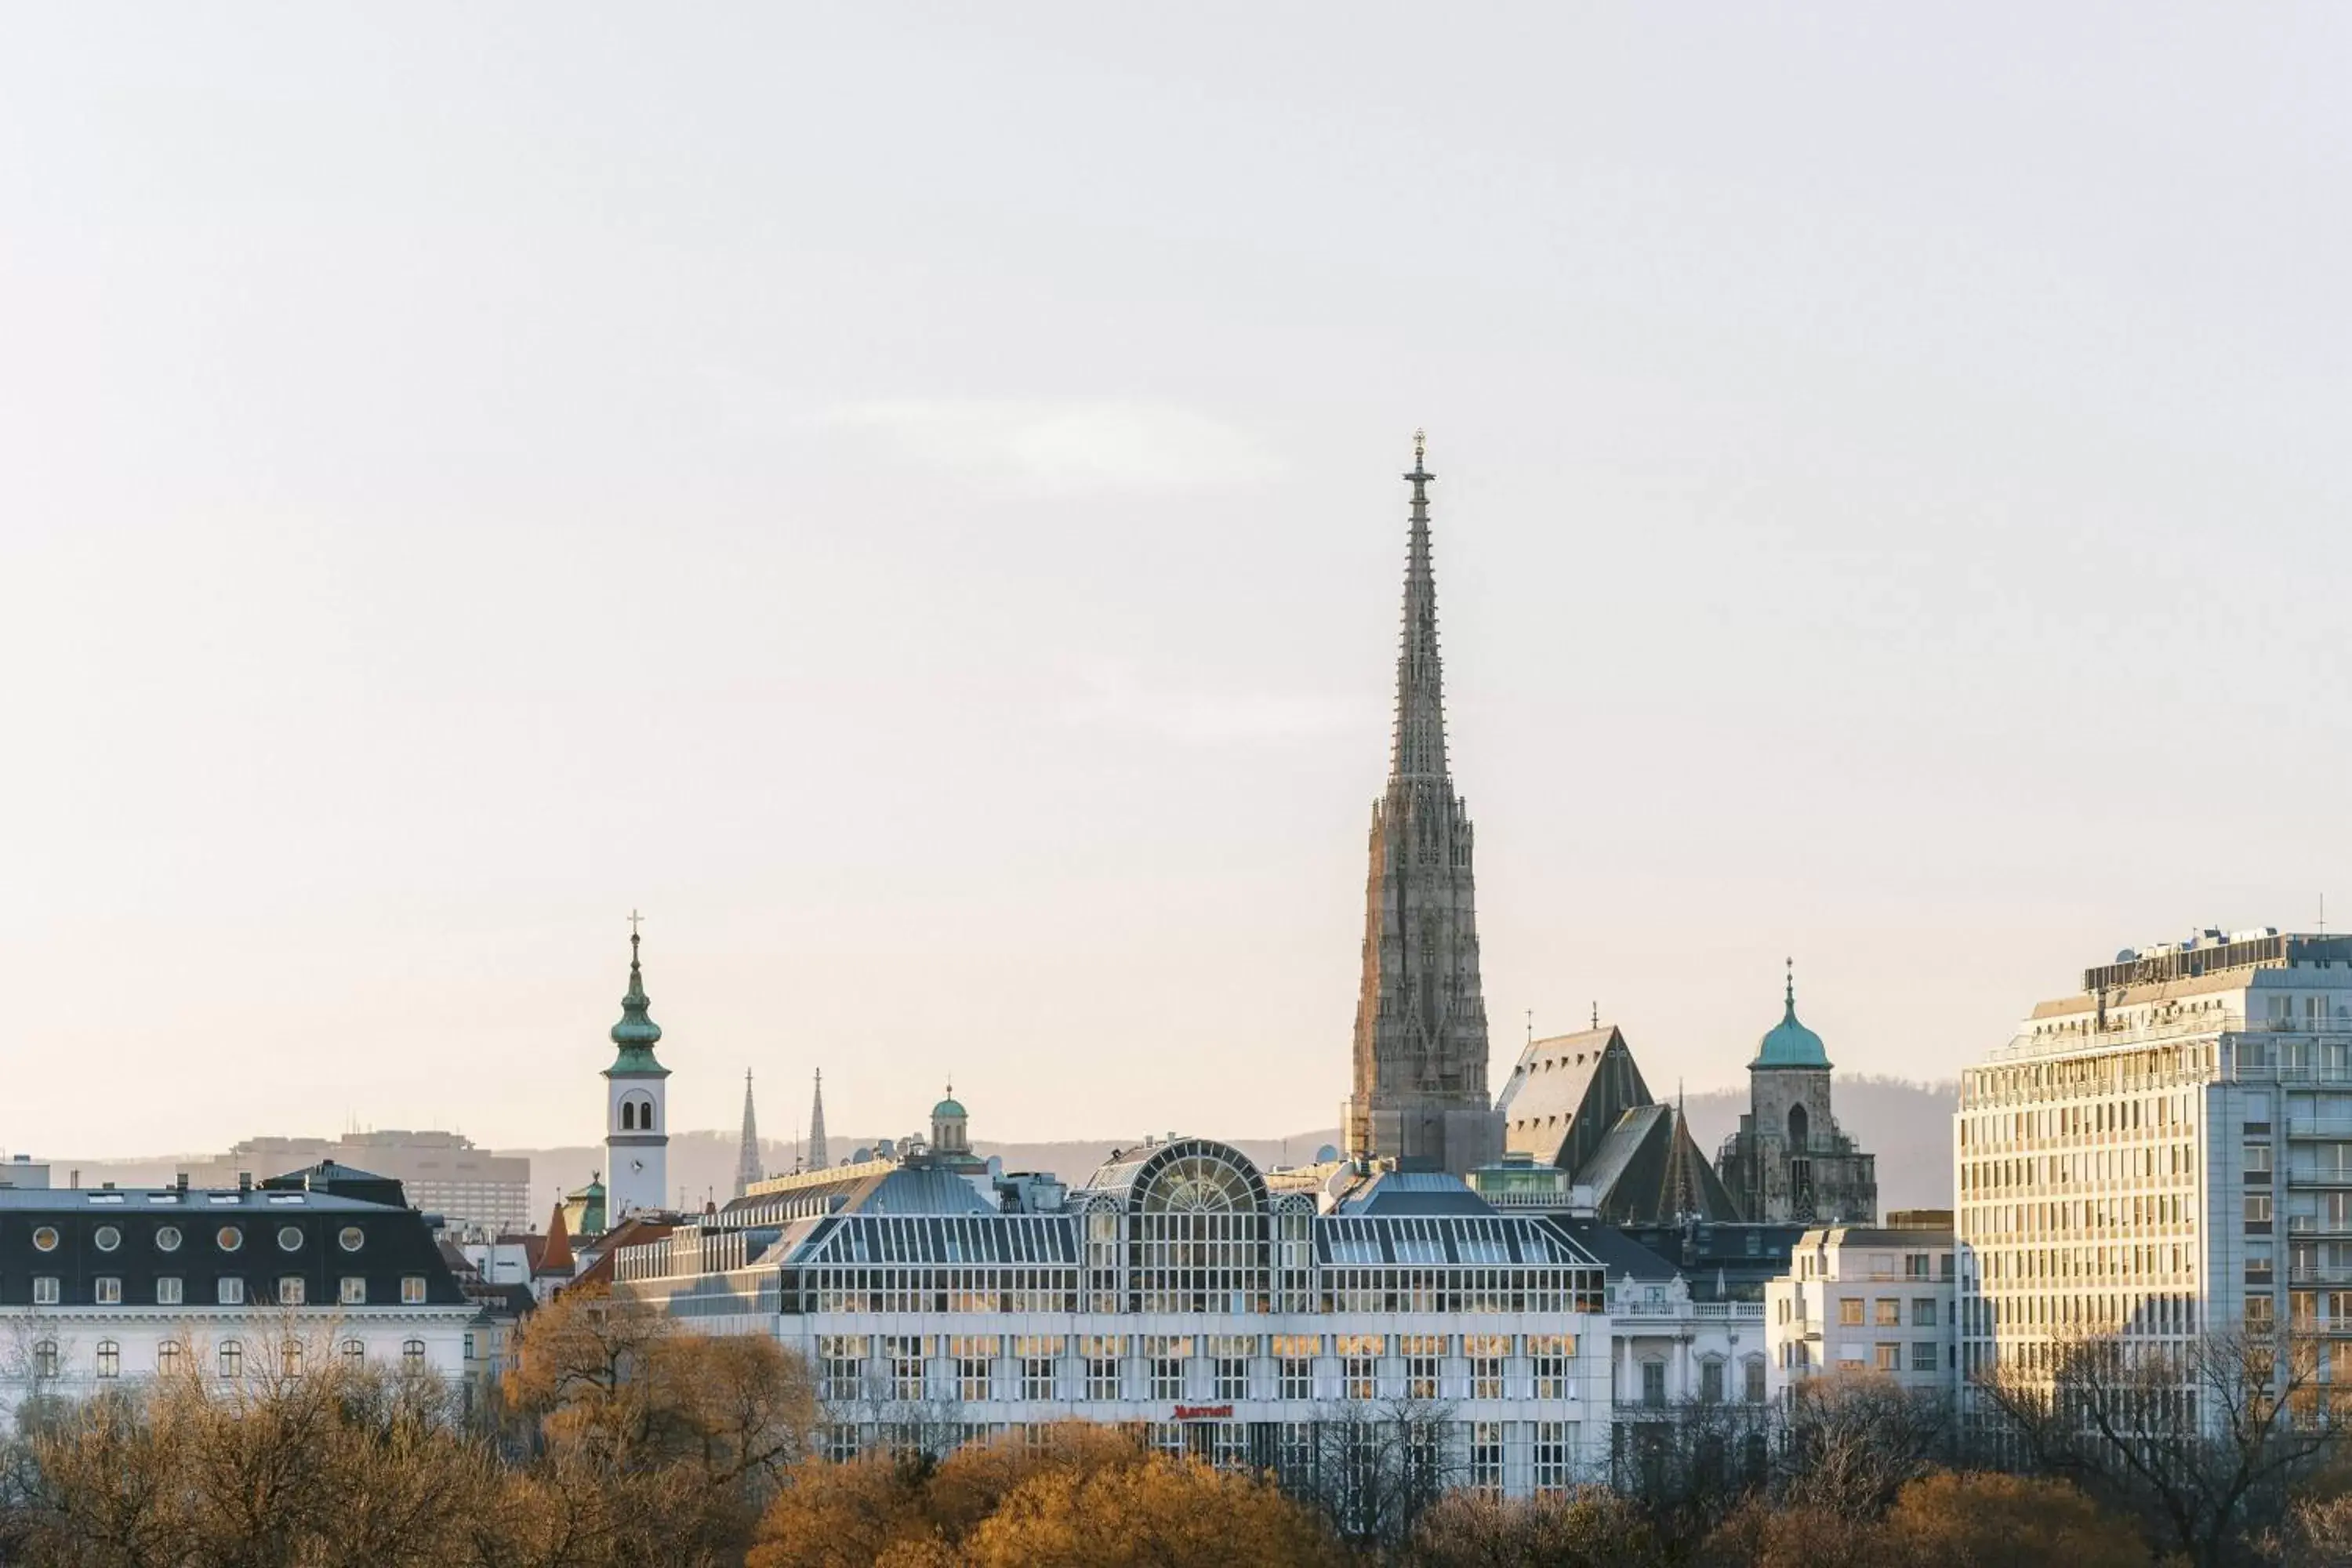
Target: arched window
x=412 y=1355
x=628 y=1116
x=636 y=1114
x=1800 y=1125
x=109 y=1359
x=44 y=1359
x=232 y=1359
x=354 y=1353
x=291 y=1357
x=167 y=1359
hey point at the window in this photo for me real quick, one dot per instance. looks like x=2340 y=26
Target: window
x=232 y=1359
x=1890 y=1358
x=1232 y=1353
x=46 y=1362
x=1923 y=1311
x=1103 y=1353
x=350 y=1238
x=2258 y=1210
x=841 y=1363
x=1485 y=1353
x=1923 y=1355
x=109 y=1290
x=232 y=1293
x=289 y=1238
x=412 y=1289
x=1487 y=1457
x=1850 y=1312
x=1547 y=1365
x=1038 y=1355
x=45 y=1239
x=1710 y=1382
x=1889 y=1313
x=109 y=1359
x=1916 y=1266
x=1754 y=1367
x=1552 y=1457
x=906 y=1354
x=354 y=1353
x=291 y=1357
x=1653 y=1384
x=107 y=1237
x=352 y=1291
x=2258 y=1162
x=1359 y=1365
x=289 y=1290
x=975 y=1359
x=44 y=1290
x=1294 y=1364
x=1168 y=1355
x=1424 y=1355
x=412 y=1355
x=167 y=1359
x=167 y=1238
x=229 y=1238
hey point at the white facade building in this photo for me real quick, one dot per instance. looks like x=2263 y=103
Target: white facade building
x=2165 y=1152
x=1867 y=1298
x=102 y=1288
x=1174 y=1293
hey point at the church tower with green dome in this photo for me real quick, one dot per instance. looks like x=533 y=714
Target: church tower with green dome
x=636 y=1117
x=1790 y=1162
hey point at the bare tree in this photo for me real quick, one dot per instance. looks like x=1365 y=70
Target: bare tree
x=1371 y=1468
x=1853 y=1440
x=2207 y=1441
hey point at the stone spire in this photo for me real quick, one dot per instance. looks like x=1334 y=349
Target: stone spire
x=816 y=1157
x=747 y=1157
x=1420 y=1013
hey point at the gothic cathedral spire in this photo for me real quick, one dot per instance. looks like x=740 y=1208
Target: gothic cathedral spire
x=1421 y=1014
x=816 y=1152
x=747 y=1156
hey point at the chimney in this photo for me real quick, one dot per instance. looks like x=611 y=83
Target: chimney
x=180 y=1181
x=244 y=1181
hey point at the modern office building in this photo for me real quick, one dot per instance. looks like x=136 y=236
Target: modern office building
x=2165 y=1151
x=1420 y=1097
x=1867 y=1298
x=1172 y=1292
x=103 y=1286
x=441 y=1172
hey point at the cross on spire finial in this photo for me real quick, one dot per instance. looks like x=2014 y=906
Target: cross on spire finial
x=1420 y=447
x=1790 y=994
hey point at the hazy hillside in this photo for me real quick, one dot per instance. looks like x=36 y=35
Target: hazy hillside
x=1907 y=1125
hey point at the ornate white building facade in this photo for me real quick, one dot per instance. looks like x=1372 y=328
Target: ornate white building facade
x=1174 y=1293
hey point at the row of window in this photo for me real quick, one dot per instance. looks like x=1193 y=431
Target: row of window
x=1183 y=1366
x=1885 y=1357
x=167 y=1237
x=172 y=1358
x=106 y=1291
x=1886 y=1312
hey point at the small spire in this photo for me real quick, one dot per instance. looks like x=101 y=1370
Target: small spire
x=1596 y=1012
x=1789 y=994
x=636 y=1032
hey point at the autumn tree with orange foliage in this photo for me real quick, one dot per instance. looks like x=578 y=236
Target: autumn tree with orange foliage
x=1161 y=1513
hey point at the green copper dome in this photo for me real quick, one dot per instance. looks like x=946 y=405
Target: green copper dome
x=1789 y=1044
x=636 y=1034
x=951 y=1106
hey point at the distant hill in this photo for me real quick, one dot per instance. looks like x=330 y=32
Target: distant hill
x=1907 y=1125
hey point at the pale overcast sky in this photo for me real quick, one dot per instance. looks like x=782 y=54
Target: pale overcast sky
x=907 y=497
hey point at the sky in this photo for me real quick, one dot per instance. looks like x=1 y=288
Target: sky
x=908 y=497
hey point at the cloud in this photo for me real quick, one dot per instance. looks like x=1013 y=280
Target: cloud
x=1065 y=447
x=1110 y=696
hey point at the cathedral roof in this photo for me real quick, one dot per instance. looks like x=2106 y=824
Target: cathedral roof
x=1565 y=1094
x=1788 y=1044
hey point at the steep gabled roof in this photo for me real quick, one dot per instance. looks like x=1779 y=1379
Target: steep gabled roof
x=1566 y=1094
x=555 y=1255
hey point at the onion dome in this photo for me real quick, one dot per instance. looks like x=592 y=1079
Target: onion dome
x=1789 y=1044
x=636 y=1034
